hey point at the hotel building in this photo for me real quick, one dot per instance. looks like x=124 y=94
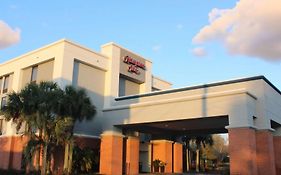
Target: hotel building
x=140 y=118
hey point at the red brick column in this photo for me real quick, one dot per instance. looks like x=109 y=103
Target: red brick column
x=242 y=151
x=265 y=152
x=17 y=146
x=178 y=158
x=5 y=151
x=132 y=155
x=277 y=152
x=11 y=148
x=162 y=149
x=111 y=154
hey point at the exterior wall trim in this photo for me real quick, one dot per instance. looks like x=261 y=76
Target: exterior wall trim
x=180 y=99
x=48 y=46
x=89 y=64
x=87 y=136
x=261 y=77
x=158 y=78
x=37 y=63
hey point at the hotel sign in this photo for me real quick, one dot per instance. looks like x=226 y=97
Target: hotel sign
x=134 y=65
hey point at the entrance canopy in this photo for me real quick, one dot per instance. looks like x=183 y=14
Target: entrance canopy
x=205 y=125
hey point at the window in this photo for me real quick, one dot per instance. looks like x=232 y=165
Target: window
x=1 y=126
x=122 y=87
x=3 y=102
x=1 y=82
x=6 y=84
x=34 y=74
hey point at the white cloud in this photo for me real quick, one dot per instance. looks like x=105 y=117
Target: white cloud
x=8 y=36
x=199 y=52
x=251 y=28
x=179 y=26
x=156 y=48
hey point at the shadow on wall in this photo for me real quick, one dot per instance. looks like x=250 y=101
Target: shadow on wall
x=92 y=127
x=11 y=152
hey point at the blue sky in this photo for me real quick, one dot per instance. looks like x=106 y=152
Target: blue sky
x=160 y=30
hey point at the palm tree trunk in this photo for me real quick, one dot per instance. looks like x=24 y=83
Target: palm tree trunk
x=44 y=166
x=197 y=160
x=70 y=157
x=66 y=155
x=37 y=156
x=48 y=167
x=204 y=165
x=187 y=160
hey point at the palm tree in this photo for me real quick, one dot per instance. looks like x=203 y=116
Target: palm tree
x=49 y=114
x=35 y=106
x=187 y=140
x=201 y=141
x=21 y=109
x=195 y=142
x=75 y=105
x=48 y=100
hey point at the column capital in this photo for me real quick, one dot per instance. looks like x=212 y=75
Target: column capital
x=240 y=127
x=112 y=133
x=133 y=138
x=161 y=141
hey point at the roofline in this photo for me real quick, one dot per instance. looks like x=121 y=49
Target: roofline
x=261 y=77
x=153 y=76
x=121 y=47
x=32 y=52
x=51 y=45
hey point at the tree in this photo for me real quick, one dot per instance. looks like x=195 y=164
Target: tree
x=35 y=106
x=187 y=140
x=217 y=152
x=77 y=106
x=195 y=143
x=201 y=141
x=49 y=114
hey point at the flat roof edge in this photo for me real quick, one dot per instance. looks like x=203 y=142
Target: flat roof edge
x=260 y=77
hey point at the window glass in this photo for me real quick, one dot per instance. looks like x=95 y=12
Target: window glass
x=1 y=82
x=1 y=126
x=34 y=73
x=6 y=84
x=3 y=102
x=122 y=88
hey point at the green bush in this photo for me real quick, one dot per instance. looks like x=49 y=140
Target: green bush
x=85 y=160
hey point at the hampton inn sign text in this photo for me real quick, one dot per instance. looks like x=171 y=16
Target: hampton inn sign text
x=134 y=65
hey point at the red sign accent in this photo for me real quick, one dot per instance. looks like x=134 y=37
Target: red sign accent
x=133 y=64
x=133 y=69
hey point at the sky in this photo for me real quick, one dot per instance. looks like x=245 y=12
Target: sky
x=190 y=42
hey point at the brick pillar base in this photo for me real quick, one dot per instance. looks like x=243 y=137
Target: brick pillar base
x=111 y=154
x=242 y=151
x=162 y=149
x=265 y=152
x=277 y=152
x=17 y=146
x=132 y=155
x=11 y=148
x=5 y=152
x=178 y=158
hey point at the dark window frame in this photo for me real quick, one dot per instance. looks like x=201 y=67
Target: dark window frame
x=1 y=83
x=34 y=73
x=1 y=126
x=3 y=102
x=6 y=84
